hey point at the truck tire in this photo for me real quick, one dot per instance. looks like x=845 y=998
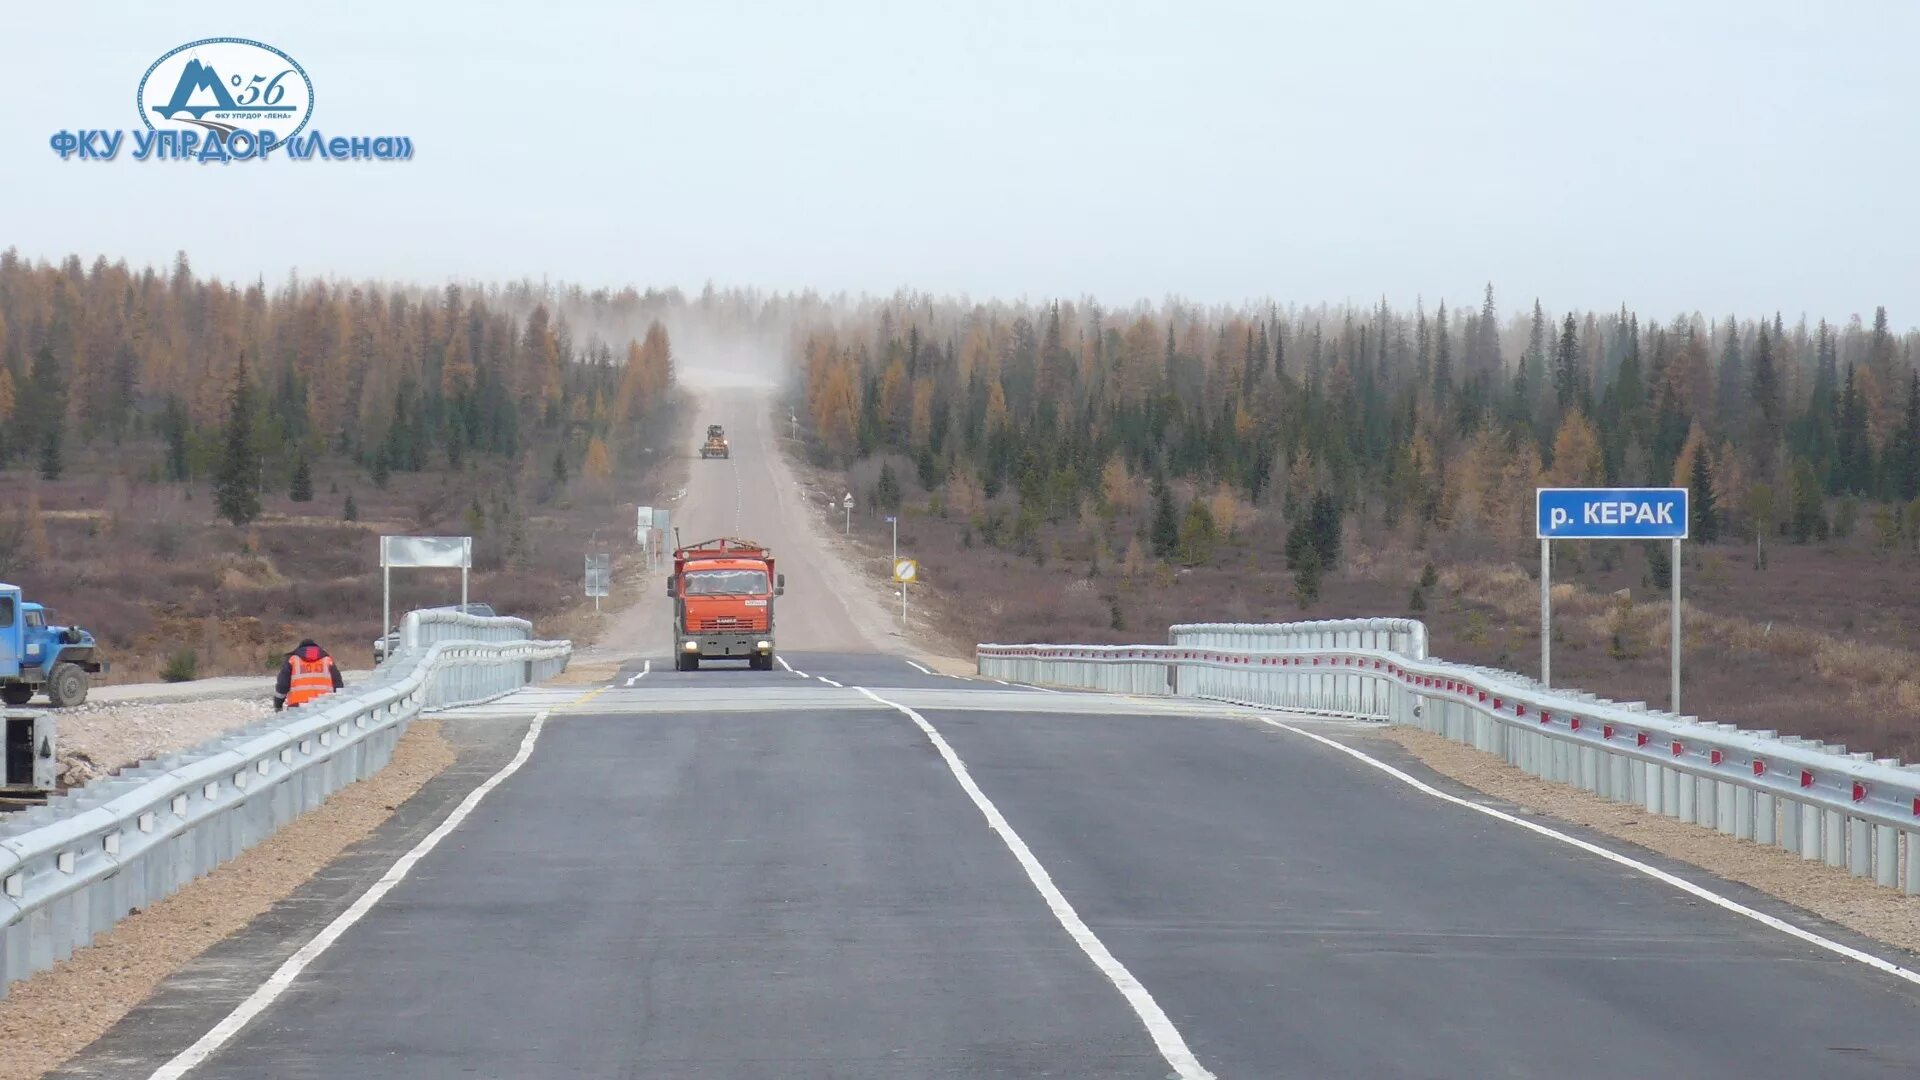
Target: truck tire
x=66 y=685
x=761 y=663
x=16 y=693
x=684 y=662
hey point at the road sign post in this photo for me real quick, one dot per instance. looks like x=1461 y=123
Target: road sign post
x=599 y=578
x=847 y=503
x=904 y=571
x=895 y=522
x=1608 y=514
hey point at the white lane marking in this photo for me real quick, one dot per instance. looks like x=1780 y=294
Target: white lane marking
x=643 y=673
x=1165 y=1036
x=790 y=667
x=919 y=668
x=277 y=983
x=828 y=681
x=1003 y=682
x=1042 y=689
x=1653 y=872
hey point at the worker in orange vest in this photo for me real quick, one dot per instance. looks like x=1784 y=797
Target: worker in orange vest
x=309 y=673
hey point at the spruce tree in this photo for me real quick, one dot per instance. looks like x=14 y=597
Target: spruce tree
x=237 y=484
x=350 y=512
x=300 y=490
x=42 y=415
x=1568 y=384
x=1905 y=468
x=1853 y=453
x=1165 y=534
x=1705 y=526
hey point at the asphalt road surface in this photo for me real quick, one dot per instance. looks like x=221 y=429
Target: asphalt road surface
x=849 y=867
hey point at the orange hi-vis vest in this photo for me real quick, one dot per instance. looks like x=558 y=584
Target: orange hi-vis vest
x=311 y=679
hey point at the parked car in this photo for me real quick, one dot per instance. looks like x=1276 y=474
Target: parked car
x=391 y=642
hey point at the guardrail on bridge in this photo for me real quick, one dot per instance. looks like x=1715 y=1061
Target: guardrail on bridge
x=74 y=867
x=1850 y=810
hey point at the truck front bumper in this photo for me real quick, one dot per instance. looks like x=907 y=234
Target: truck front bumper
x=722 y=646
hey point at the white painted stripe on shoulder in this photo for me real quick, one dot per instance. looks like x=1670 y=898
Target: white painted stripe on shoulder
x=921 y=668
x=277 y=983
x=828 y=681
x=1159 y=1027
x=1654 y=872
x=643 y=673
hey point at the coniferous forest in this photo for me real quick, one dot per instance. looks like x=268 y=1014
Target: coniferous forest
x=196 y=469
x=1068 y=472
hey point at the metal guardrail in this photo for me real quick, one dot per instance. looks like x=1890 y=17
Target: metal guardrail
x=1849 y=810
x=1408 y=637
x=74 y=867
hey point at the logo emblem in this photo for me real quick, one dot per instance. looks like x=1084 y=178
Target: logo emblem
x=219 y=84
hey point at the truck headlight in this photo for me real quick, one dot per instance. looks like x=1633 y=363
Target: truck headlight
x=690 y=646
x=763 y=646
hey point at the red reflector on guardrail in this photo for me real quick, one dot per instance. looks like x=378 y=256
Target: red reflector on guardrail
x=1806 y=778
x=1497 y=703
x=1519 y=710
x=1606 y=731
x=1713 y=758
x=1678 y=748
x=1575 y=721
x=1640 y=738
x=1759 y=767
x=1546 y=717
x=1859 y=790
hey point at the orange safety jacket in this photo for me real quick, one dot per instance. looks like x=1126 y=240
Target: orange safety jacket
x=310 y=679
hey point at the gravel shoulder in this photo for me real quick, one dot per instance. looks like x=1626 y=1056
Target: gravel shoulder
x=1884 y=915
x=49 y=1017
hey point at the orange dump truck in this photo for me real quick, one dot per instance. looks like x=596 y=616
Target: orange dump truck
x=723 y=594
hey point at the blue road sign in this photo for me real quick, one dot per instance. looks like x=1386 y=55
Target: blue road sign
x=1611 y=513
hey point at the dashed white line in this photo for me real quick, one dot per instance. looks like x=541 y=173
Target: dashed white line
x=1653 y=872
x=791 y=668
x=277 y=983
x=643 y=673
x=919 y=668
x=1165 y=1036
x=828 y=681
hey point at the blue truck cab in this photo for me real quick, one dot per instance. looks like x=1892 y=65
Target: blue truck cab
x=39 y=657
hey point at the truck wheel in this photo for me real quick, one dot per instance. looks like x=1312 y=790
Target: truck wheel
x=684 y=662
x=66 y=685
x=16 y=693
x=761 y=663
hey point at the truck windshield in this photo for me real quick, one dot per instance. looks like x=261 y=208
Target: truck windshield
x=726 y=583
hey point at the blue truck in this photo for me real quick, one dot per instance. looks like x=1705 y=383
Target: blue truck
x=39 y=657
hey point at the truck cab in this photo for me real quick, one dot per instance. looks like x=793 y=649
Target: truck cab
x=38 y=656
x=723 y=594
x=716 y=444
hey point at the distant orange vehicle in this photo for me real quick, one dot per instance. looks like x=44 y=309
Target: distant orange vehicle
x=723 y=594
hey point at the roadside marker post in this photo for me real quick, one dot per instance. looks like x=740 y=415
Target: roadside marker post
x=847 y=503
x=1608 y=514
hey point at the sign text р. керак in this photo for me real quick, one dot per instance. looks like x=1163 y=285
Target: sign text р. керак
x=1611 y=513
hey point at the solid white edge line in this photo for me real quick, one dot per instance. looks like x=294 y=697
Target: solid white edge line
x=1654 y=872
x=828 y=681
x=643 y=673
x=917 y=667
x=277 y=983
x=1165 y=1036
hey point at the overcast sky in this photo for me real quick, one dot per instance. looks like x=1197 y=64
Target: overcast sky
x=1741 y=156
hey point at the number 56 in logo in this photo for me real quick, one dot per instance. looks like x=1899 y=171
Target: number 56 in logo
x=219 y=84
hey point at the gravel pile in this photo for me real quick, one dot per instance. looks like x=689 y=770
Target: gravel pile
x=97 y=738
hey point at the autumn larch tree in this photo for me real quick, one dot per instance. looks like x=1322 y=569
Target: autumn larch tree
x=237 y=484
